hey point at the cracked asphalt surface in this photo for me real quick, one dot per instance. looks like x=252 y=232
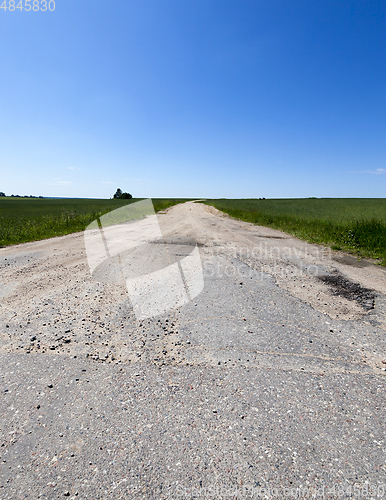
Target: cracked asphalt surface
x=267 y=382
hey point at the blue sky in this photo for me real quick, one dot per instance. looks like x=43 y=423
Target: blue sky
x=194 y=98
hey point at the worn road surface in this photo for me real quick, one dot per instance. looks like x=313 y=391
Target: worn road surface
x=269 y=384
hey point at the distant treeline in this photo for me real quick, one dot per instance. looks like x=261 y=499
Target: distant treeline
x=19 y=196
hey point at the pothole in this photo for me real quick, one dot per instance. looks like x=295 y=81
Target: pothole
x=343 y=287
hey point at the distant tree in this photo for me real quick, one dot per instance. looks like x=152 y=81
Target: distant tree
x=118 y=194
x=1 y=193
x=122 y=196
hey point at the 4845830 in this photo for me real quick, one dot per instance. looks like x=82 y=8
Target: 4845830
x=33 y=5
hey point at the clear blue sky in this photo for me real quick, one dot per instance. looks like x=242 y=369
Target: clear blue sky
x=194 y=98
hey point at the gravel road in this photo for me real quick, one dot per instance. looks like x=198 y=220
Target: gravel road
x=269 y=384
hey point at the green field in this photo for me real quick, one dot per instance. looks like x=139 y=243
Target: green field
x=357 y=225
x=32 y=219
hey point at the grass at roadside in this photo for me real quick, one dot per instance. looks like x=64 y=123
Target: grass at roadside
x=357 y=225
x=32 y=219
